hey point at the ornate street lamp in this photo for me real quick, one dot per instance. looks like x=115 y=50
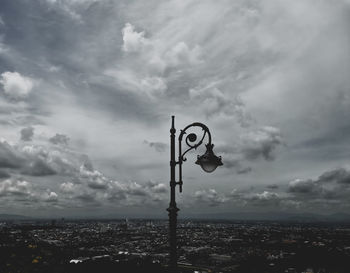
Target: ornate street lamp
x=208 y=161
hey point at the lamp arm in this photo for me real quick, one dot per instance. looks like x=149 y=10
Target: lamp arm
x=191 y=143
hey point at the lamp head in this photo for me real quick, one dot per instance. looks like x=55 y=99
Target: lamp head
x=209 y=161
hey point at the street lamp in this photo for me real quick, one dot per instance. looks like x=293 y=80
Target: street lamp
x=208 y=161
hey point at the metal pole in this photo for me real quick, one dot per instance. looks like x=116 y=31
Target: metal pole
x=172 y=206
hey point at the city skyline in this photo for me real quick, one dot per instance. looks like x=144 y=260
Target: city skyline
x=88 y=87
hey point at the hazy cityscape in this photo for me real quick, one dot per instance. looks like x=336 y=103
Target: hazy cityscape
x=138 y=245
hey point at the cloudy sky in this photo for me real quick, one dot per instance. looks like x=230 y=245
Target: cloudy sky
x=88 y=87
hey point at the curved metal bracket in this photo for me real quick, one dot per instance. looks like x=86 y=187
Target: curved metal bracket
x=190 y=138
x=191 y=143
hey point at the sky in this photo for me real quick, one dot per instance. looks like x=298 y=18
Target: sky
x=88 y=88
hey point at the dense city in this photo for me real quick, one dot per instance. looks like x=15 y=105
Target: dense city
x=142 y=246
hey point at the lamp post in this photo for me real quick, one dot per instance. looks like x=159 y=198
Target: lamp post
x=208 y=161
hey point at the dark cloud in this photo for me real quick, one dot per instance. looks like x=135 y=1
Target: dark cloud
x=226 y=149
x=27 y=133
x=303 y=186
x=341 y=176
x=231 y=162
x=232 y=159
x=244 y=170
x=331 y=190
x=255 y=144
x=38 y=168
x=59 y=139
x=328 y=191
x=158 y=146
x=9 y=157
x=272 y=186
x=89 y=198
x=34 y=160
x=331 y=184
x=262 y=143
x=236 y=164
x=4 y=174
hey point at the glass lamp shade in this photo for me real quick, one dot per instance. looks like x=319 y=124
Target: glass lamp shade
x=209 y=161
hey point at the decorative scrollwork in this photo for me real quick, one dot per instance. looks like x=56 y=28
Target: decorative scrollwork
x=192 y=138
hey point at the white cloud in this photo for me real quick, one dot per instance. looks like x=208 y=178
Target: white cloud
x=160 y=188
x=95 y=179
x=16 y=191
x=67 y=187
x=265 y=196
x=148 y=59
x=133 y=41
x=181 y=54
x=15 y=188
x=156 y=52
x=41 y=160
x=50 y=196
x=16 y=86
x=151 y=87
x=214 y=103
x=210 y=196
x=154 y=86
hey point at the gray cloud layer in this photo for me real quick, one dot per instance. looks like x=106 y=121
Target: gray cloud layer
x=329 y=193
x=270 y=79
